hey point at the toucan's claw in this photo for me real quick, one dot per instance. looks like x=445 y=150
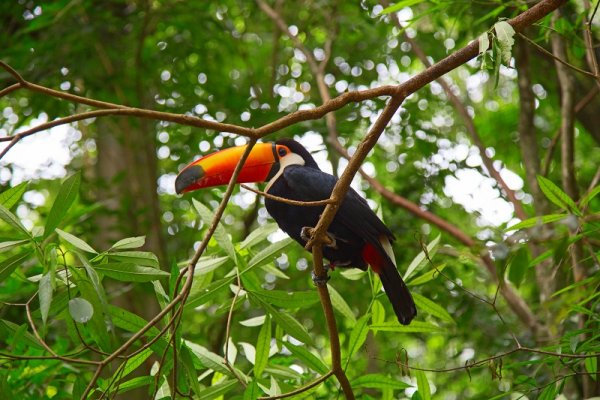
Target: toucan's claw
x=307 y=233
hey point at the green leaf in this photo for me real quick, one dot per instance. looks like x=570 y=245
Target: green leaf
x=208 y=359
x=378 y=381
x=81 y=310
x=288 y=300
x=185 y=355
x=536 y=221
x=505 y=34
x=12 y=195
x=518 y=266
x=75 y=241
x=131 y=364
x=220 y=234
x=289 y=324
x=591 y=365
x=263 y=346
x=129 y=243
x=218 y=390
x=209 y=264
x=129 y=272
x=414 y=327
x=252 y=391
x=5 y=246
x=258 y=235
x=423 y=385
x=377 y=313
x=497 y=59
x=8 y=266
x=421 y=260
x=12 y=220
x=145 y=258
x=64 y=200
x=399 y=6
x=340 y=304
x=432 y=308
x=46 y=288
x=205 y=294
x=265 y=254
x=358 y=335
x=427 y=276
x=484 y=42
x=588 y=197
x=311 y=360
x=557 y=196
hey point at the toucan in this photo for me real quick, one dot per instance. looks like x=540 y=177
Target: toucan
x=357 y=236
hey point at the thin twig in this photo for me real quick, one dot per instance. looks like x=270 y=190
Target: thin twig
x=301 y=389
x=288 y=201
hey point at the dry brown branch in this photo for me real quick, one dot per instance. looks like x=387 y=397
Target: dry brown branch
x=288 y=201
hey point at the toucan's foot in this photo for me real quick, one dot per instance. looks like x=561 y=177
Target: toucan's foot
x=318 y=280
x=307 y=233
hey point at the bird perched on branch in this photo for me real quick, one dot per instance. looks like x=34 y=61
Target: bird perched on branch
x=357 y=237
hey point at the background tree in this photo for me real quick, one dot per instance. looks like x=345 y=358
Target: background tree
x=97 y=259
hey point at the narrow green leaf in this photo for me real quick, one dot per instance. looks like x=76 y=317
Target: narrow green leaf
x=268 y=252
x=220 y=235
x=505 y=34
x=208 y=264
x=145 y=258
x=185 y=355
x=414 y=327
x=557 y=196
x=218 y=390
x=12 y=220
x=340 y=304
x=129 y=272
x=135 y=383
x=288 y=300
x=377 y=313
x=8 y=266
x=427 y=276
x=423 y=385
x=484 y=42
x=5 y=246
x=311 y=360
x=421 y=260
x=258 y=235
x=208 y=359
x=252 y=391
x=536 y=221
x=263 y=346
x=289 y=324
x=75 y=241
x=432 y=308
x=129 y=243
x=81 y=310
x=399 y=6
x=46 y=288
x=358 y=335
x=588 y=197
x=12 y=332
x=12 y=195
x=518 y=266
x=591 y=365
x=132 y=364
x=378 y=381
x=197 y=299
x=64 y=200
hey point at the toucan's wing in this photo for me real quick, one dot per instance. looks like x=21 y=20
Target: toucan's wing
x=355 y=214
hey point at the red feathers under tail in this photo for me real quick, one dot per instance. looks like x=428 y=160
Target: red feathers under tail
x=394 y=286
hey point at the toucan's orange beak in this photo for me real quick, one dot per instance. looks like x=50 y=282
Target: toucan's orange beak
x=217 y=168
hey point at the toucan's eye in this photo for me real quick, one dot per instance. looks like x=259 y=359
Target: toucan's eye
x=282 y=151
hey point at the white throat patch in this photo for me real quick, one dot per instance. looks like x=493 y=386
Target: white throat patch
x=285 y=161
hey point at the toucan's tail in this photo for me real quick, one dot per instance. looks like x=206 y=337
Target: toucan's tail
x=382 y=263
x=398 y=293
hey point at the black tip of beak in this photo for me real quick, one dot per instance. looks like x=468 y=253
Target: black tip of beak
x=188 y=177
